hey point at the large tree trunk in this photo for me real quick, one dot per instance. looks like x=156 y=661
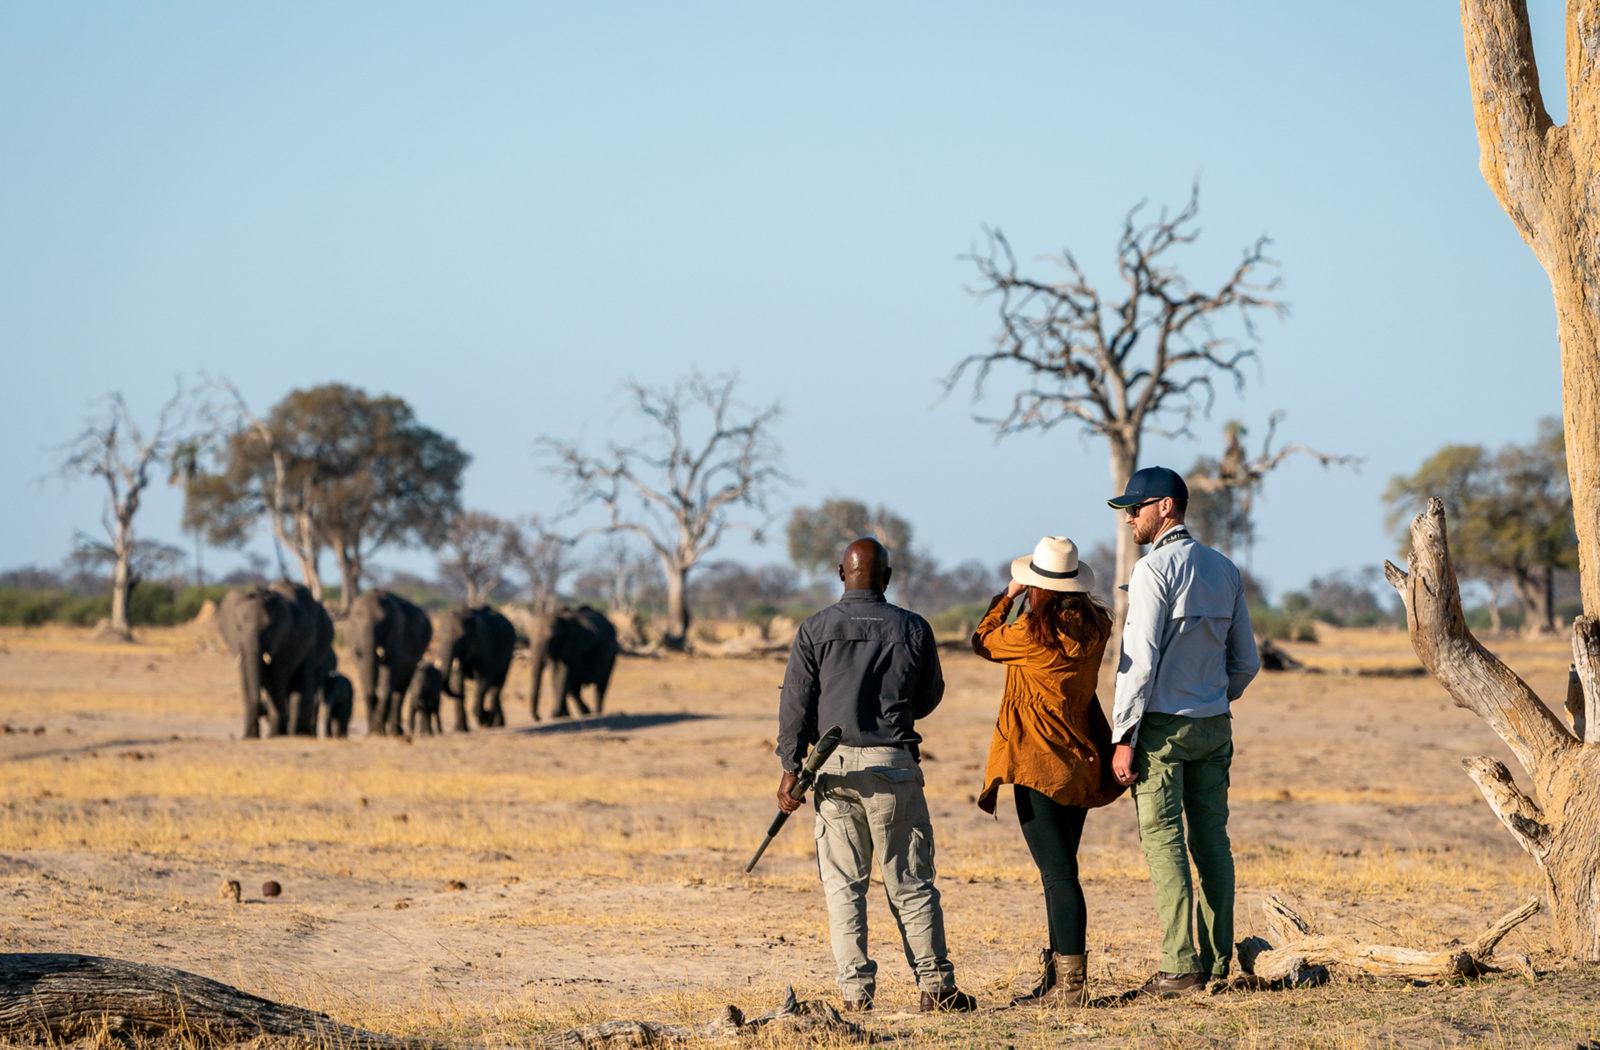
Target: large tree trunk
x=68 y=997
x=121 y=587
x=1124 y=461
x=349 y=576
x=1543 y=175
x=1559 y=825
x=677 y=633
x=1535 y=589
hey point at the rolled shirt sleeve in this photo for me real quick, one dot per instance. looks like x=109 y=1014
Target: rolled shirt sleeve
x=1148 y=609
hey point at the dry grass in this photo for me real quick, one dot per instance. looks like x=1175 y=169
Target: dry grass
x=501 y=887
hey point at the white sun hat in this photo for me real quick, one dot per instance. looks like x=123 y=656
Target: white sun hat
x=1053 y=566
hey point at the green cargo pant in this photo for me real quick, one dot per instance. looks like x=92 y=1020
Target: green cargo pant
x=869 y=803
x=1182 y=764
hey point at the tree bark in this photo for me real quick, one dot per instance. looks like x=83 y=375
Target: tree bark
x=68 y=997
x=676 y=636
x=1559 y=825
x=121 y=580
x=1124 y=461
x=1543 y=174
x=1301 y=949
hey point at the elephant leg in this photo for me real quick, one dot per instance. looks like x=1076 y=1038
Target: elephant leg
x=459 y=705
x=302 y=709
x=561 y=686
x=278 y=718
x=480 y=713
x=397 y=700
x=602 y=680
x=497 y=712
x=575 y=691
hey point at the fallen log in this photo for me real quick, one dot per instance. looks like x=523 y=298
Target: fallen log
x=71 y=996
x=68 y=997
x=1301 y=950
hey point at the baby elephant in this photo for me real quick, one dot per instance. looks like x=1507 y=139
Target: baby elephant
x=338 y=699
x=426 y=689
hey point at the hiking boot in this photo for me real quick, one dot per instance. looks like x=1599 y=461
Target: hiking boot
x=954 y=1001
x=1171 y=985
x=1064 y=982
x=1072 y=980
x=857 y=1006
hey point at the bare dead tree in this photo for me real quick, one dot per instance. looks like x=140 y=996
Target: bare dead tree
x=287 y=499
x=545 y=557
x=677 y=487
x=114 y=448
x=1236 y=476
x=1122 y=367
x=1542 y=174
x=479 y=548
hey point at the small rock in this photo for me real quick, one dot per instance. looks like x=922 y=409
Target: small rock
x=455 y=885
x=270 y=889
x=402 y=905
x=230 y=891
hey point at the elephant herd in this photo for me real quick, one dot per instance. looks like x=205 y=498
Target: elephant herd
x=283 y=640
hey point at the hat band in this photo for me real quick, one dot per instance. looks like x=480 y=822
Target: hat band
x=1052 y=575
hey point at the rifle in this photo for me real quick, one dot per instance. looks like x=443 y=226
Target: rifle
x=808 y=775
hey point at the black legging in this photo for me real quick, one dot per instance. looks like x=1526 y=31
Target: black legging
x=1053 y=832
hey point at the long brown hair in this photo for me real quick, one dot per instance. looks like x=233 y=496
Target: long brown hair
x=1076 y=614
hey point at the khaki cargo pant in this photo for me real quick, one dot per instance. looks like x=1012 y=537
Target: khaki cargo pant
x=1182 y=764
x=869 y=803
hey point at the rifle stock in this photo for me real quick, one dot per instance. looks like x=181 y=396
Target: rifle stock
x=808 y=776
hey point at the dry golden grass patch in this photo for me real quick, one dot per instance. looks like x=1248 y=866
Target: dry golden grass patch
x=603 y=865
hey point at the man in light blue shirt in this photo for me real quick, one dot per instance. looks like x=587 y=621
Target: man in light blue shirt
x=1187 y=653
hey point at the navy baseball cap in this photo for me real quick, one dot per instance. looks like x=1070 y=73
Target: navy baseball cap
x=1148 y=484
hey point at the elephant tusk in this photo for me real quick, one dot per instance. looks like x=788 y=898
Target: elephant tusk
x=379 y=652
x=266 y=658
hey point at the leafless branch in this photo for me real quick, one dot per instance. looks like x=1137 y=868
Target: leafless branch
x=675 y=488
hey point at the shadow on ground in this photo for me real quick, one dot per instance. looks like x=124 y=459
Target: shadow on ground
x=612 y=723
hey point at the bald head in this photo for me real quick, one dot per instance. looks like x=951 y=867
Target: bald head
x=865 y=566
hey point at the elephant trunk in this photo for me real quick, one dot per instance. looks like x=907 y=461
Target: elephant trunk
x=538 y=680
x=367 y=682
x=250 y=682
x=455 y=676
x=386 y=700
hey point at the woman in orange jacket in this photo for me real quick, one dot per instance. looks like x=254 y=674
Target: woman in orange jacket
x=1051 y=741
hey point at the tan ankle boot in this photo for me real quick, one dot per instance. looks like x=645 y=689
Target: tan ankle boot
x=1072 y=980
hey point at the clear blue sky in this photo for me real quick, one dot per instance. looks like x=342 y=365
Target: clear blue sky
x=499 y=210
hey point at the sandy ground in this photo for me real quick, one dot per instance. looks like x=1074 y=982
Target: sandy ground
x=545 y=873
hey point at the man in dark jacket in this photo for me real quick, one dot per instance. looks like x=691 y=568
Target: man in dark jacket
x=872 y=669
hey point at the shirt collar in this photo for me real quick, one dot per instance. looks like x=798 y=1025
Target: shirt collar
x=1171 y=534
x=862 y=596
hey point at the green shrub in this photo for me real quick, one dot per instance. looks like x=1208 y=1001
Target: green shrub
x=957 y=617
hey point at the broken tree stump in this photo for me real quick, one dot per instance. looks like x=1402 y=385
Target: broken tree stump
x=1301 y=949
x=71 y=996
